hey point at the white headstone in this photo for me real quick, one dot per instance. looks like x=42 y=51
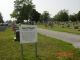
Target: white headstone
x=28 y=34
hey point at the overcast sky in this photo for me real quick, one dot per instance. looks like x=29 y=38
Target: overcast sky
x=53 y=6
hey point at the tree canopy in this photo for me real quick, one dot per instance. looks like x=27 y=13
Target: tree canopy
x=23 y=10
x=35 y=16
x=45 y=16
x=61 y=16
x=72 y=18
x=78 y=16
x=1 y=18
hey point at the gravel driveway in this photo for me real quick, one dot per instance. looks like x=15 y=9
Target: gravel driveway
x=68 y=37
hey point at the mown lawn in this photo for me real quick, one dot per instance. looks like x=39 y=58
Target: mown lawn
x=59 y=28
x=48 y=48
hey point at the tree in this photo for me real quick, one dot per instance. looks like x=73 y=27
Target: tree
x=78 y=16
x=72 y=18
x=61 y=16
x=45 y=16
x=14 y=14
x=23 y=10
x=1 y=18
x=41 y=18
x=35 y=16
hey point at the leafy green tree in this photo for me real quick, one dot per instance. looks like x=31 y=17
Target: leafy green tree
x=14 y=14
x=23 y=10
x=41 y=18
x=72 y=18
x=45 y=16
x=61 y=16
x=78 y=16
x=35 y=16
x=1 y=18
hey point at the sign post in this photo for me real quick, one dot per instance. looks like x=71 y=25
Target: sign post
x=28 y=34
x=21 y=47
x=36 y=50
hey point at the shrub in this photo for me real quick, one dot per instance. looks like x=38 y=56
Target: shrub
x=79 y=30
x=76 y=27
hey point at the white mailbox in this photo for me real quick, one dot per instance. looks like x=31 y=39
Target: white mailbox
x=28 y=34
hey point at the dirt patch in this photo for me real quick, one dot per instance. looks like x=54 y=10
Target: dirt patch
x=66 y=54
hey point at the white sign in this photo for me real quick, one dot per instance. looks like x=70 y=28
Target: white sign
x=28 y=33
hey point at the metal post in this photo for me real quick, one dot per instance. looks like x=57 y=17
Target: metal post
x=36 y=51
x=22 y=57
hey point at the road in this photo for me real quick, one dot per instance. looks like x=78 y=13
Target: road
x=68 y=37
x=2 y=28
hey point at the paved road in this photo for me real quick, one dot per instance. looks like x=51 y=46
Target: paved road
x=2 y=28
x=71 y=38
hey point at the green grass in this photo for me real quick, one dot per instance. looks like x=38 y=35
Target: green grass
x=47 y=47
x=59 y=28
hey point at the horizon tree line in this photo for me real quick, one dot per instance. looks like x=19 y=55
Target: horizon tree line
x=25 y=10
